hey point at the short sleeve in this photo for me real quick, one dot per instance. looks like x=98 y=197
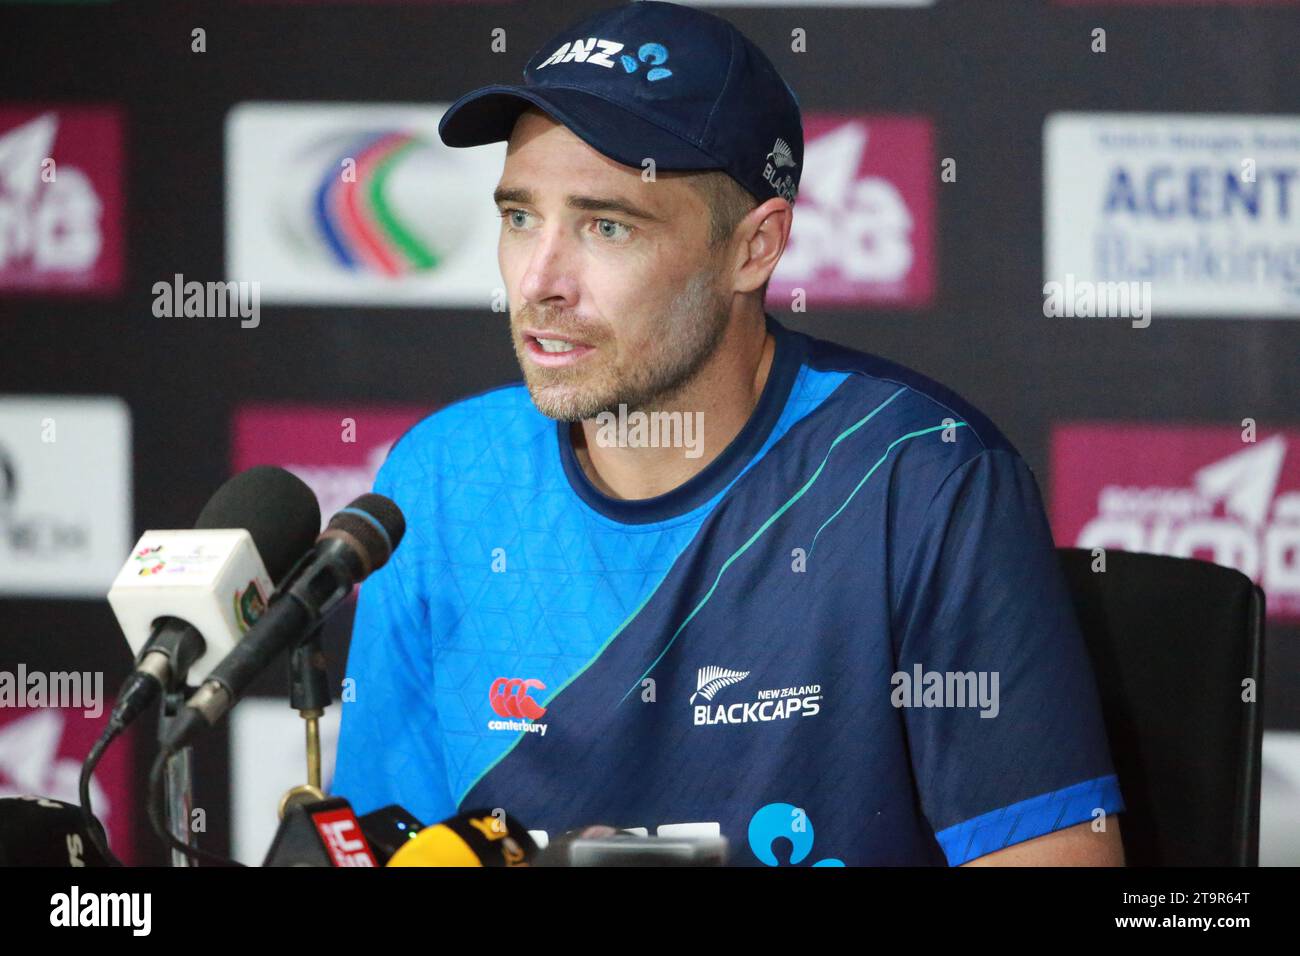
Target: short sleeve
x=390 y=748
x=998 y=696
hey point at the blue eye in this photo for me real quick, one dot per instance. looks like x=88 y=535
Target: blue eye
x=600 y=223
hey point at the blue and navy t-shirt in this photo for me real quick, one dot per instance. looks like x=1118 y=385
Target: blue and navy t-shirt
x=846 y=640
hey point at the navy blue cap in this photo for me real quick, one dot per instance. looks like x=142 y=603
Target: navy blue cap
x=654 y=80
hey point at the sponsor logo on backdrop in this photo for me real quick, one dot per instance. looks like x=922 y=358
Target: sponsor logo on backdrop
x=864 y=230
x=813 y=3
x=41 y=750
x=61 y=200
x=337 y=451
x=1205 y=207
x=358 y=204
x=65 y=495
x=1177 y=3
x=412 y=3
x=1194 y=492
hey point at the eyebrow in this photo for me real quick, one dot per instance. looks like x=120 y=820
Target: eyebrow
x=505 y=194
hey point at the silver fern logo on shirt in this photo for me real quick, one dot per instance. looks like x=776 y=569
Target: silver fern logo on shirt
x=780 y=703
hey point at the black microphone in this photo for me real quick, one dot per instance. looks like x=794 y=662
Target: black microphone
x=388 y=829
x=358 y=541
x=321 y=833
x=282 y=516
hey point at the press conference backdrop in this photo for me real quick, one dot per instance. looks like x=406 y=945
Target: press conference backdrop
x=962 y=155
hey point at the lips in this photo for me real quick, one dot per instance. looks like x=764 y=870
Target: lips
x=552 y=336
x=554 y=349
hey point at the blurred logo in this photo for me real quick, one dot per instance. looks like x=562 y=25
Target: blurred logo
x=250 y=604
x=1191 y=492
x=1175 y=3
x=61 y=200
x=150 y=561
x=1203 y=207
x=361 y=204
x=350 y=214
x=820 y=3
x=336 y=451
x=864 y=231
x=60 y=534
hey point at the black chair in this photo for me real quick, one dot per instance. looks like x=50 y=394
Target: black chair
x=1171 y=640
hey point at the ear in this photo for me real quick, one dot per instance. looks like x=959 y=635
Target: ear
x=764 y=234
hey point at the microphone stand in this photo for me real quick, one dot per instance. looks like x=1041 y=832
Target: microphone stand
x=309 y=694
x=178 y=779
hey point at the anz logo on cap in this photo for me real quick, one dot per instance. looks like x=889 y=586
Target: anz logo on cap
x=580 y=51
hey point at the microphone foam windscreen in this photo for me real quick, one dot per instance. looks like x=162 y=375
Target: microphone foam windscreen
x=275 y=507
x=376 y=523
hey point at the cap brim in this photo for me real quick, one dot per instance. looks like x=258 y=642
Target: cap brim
x=488 y=115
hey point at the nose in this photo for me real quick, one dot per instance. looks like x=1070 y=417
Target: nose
x=550 y=276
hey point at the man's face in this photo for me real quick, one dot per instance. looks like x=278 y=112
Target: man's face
x=618 y=268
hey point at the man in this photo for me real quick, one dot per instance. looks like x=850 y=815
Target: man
x=822 y=619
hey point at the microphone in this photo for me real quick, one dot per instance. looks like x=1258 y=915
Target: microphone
x=358 y=541
x=473 y=838
x=185 y=598
x=321 y=833
x=329 y=833
x=41 y=831
x=388 y=829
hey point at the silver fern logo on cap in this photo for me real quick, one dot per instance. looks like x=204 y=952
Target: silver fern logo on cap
x=710 y=680
x=781 y=155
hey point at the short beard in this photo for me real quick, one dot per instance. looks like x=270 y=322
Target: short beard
x=694 y=326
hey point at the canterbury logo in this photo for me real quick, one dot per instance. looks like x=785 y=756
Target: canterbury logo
x=781 y=155
x=509 y=697
x=710 y=680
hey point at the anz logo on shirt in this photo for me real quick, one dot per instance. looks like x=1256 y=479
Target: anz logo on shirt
x=654 y=55
x=783 y=821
